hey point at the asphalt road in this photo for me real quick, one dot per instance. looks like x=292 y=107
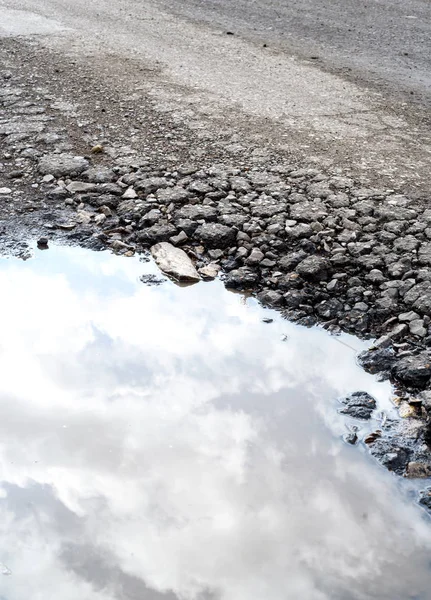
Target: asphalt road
x=334 y=84
x=380 y=42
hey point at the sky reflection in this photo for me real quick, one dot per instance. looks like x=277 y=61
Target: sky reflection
x=164 y=442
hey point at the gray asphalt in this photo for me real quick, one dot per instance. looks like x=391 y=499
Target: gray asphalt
x=381 y=42
x=328 y=84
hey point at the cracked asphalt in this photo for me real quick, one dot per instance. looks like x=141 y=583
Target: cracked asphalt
x=342 y=87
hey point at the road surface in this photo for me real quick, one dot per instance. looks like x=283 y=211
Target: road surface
x=339 y=84
x=382 y=42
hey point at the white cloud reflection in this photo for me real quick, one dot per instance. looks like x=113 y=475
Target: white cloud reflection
x=164 y=440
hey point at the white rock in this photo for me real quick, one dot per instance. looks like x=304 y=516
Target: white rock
x=77 y=187
x=99 y=219
x=84 y=217
x=5 y=190
x=129 y=194
x=417 y=328
x=118 y=245
x=210 y=271
x=174 y=261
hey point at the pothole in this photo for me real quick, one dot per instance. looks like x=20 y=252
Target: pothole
x=157 y=438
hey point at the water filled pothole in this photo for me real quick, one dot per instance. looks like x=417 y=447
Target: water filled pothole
x=158 y=440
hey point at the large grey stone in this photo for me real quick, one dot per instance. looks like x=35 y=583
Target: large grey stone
x=241 y=279
x=266 y=206
x=407 y=243
x=175 y=194
x=99 y=175
x=359 y=405
x=196 y=212
x=174 y=262
x=80 y=187
x=419 y=297
x=313 y=267
x=62 y=165
x=413 y=370
x=425 y=254
x=215 y=235
x=156 y=233
x=152 y=184
x=308 y=211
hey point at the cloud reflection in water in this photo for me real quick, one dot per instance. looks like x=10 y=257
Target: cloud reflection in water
x=159 y=441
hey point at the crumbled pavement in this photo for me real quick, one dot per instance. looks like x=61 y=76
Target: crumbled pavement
x=359 y=405
x=318 y=246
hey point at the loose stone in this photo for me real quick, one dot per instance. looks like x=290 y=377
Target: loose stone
x=174 y=262
x=210 y=271
x=62 y=165
x=359 y=405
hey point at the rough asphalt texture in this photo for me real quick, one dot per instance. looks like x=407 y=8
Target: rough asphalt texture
x=86 y=160
x=270 y=95
x=387 y=44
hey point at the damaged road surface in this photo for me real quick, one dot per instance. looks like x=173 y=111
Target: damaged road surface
x=141 y=417
x=162 y=440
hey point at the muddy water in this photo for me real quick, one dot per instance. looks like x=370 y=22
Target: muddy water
x=163 y=442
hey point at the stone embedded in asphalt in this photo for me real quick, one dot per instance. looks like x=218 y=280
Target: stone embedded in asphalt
x=329 y=309
x=315 y=268
x=215 y=235
x=358 y=405
x=406 y=410
x=175 y=194
x=351 y=438
x=425 y=498
x=179 y=239
x=419 y=297
x=424 y=254
x=42 y=242
x=62 y=165
x=80 y=187
x=156 y=233
x=408 y=316
x=48 y=178
x=210 y=271
x=5 y=190
x=174 y=262
x=99 y=175
x=413 y=370
x=418 y=470
x=195 y=212
x=395 y=457
x=241 y=279
x=417 y=328
x=200 y=187
x=318 y=190
x=380 y=360
x=386 y=340
x=129 y=194
x=308 y=211
x=256 y=257
x=152 y=184
x=270 y=298
x=267 y=207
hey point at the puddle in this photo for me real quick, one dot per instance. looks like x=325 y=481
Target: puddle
x=158 y=441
